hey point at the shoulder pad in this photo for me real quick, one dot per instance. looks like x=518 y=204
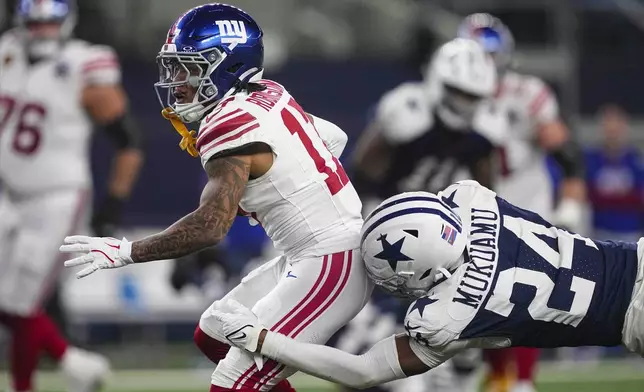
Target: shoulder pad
x=8 y=39
x=427 y=321
x=491 y=123
x=536 y=98
x=404 y=113
x=99 y=64
x=229 y=126
x=462 y=195
x=466 y=187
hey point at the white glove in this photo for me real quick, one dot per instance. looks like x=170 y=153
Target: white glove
x=569 y=215
x=101 y=253
x=213 y=324
x=240 y=325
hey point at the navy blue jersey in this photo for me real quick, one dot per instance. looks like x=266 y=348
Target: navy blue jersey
x=431 y=161
x=427 y=153
x=527 y=282
x=588 y=298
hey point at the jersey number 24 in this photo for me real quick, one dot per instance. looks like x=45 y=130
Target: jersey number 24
x=539 y=308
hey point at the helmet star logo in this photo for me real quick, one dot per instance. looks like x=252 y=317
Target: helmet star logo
x=392 y=252
x=421 y=303
x=449 y=200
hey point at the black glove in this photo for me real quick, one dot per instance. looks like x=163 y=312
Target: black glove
x=107 y=217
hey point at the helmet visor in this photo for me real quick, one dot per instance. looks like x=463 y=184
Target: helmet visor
x=184 y=78
x=461 y=103
x=396 y=285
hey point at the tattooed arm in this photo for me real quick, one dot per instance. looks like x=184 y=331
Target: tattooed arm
x=209 y=223
x=204 y=227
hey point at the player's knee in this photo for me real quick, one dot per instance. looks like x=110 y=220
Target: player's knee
x=211 y=347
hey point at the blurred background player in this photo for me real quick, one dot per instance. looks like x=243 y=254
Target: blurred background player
x=615 y=183
x=424 y=136
x=427 y=134
x=615 y=179
x=535 y=130
x=53 y=89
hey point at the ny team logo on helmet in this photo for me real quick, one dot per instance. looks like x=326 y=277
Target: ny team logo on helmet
x=218 y=49
x=410 y=240
x=492 y=34
x=232 y=31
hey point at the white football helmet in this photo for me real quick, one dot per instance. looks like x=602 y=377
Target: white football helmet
x=410 y=241
x=459 y=77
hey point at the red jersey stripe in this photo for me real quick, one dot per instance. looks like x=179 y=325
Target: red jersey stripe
x=230 y=138
x=210 y=124
x=224 y=128
x=311 y=310
x=99 y=64
x=538 y=102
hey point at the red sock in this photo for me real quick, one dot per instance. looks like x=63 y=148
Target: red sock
x=30 y=336
x=283 y=386
x=212 y=348
x=498 y=360
x=526 y=359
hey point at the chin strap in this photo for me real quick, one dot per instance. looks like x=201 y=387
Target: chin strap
x=188 y=139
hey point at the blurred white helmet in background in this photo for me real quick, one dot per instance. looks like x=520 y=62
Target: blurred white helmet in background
x=459 y=77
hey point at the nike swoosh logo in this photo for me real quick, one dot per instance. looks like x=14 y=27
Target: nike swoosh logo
x=104 y=254
x=231 y=336
x=290 y=275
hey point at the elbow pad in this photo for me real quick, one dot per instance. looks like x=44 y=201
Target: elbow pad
x=125 y=132
x=570 y=160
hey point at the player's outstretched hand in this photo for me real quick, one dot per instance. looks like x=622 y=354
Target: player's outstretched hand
x=99 y=253
x=239 y=325
x=569 y=215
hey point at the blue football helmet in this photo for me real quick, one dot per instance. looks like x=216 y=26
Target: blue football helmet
x=492 y=34
x=215 y=49
x=31 y=15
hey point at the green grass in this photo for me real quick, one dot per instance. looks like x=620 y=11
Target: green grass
x=621 y=386
x=610 y=386
x=607 y=377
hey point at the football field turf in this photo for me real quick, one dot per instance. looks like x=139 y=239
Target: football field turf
x=606 y=377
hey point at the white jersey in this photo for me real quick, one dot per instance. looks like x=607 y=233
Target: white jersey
x=44 y=130
x=305 y=202
x=527 y=102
